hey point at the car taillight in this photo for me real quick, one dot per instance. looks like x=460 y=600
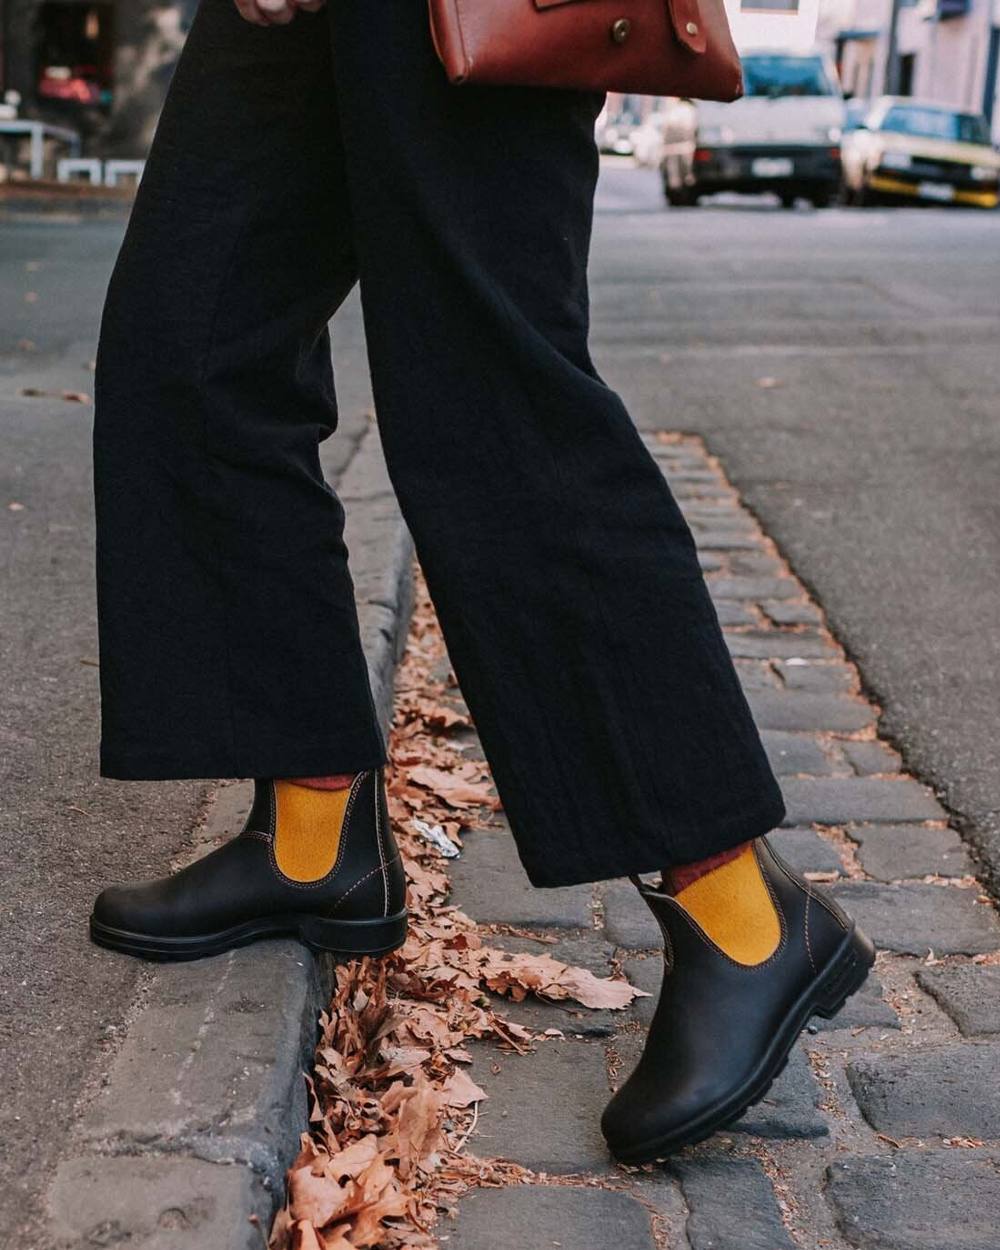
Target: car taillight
x=703 y=154
x=835 y=153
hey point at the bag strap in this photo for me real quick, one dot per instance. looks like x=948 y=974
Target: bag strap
x=688 y=25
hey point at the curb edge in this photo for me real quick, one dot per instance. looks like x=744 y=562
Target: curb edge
x=205 y=1102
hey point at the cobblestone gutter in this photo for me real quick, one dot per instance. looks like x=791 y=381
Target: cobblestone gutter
x=883 y=1130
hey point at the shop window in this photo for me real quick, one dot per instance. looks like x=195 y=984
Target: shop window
x=75 y=54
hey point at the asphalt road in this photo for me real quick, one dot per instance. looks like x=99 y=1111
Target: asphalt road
x=873 y=458
x=845 y=366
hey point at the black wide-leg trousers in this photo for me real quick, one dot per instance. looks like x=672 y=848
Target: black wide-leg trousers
x=289 y=163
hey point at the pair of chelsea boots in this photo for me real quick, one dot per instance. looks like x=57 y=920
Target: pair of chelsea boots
x=722 y=1030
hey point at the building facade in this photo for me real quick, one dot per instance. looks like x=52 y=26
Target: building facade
x=948 y=52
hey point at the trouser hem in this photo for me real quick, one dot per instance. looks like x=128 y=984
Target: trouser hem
x=161 y=766
x=668 y=848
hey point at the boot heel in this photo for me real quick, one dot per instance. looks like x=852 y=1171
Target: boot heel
x=847 y=975
x=354 y=938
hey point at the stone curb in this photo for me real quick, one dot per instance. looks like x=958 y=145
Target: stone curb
x=186 y=1144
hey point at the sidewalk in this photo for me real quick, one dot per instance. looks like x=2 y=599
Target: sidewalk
x=883 y=1130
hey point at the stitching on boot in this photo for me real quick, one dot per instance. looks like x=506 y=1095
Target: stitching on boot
x=809 y=951
x=378 y=839
x=360 y=881
x=820 y=900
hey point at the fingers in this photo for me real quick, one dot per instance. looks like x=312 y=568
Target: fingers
x=277 y=12
x=247 y=9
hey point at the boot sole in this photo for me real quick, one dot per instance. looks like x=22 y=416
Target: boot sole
x=349 y=938
x=844 y=974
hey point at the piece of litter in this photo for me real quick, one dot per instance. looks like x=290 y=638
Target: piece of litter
x=796 y=662
x=436 y=836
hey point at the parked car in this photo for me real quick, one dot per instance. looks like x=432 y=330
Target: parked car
x=905 y=149
x=782 y=136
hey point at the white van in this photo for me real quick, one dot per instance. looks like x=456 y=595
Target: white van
x=782 y=136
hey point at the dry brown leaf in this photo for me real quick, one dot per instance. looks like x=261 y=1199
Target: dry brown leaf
x=390 y=1107
x=351 y=1161
x=304 y=1237
x=462 y=1091
x=444 y=717
x=418 y=1129
x=318 y=1199
x=455 y=791
x=598 y=992
x=335 y=1238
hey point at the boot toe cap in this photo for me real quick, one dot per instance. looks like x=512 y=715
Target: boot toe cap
x=125 y=908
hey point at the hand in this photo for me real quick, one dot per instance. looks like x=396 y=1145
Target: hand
x=275 y=12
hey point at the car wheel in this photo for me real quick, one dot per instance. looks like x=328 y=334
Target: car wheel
x=821 y=199
x=788 y=199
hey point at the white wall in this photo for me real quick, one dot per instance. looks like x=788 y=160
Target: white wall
x=951 y=58
x=753 y=28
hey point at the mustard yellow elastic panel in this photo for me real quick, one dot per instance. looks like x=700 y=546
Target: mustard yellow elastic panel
x=307 y=829
x=734 y=908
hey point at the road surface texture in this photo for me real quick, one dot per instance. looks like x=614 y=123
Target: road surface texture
x=844 y=365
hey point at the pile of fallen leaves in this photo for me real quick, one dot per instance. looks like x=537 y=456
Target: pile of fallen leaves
x=392 y=1104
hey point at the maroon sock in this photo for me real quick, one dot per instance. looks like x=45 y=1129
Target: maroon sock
x=337 y=781
x=682 y=875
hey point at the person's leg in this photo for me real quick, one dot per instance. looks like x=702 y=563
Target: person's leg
x=563 y=573
x=228 y=629
x=564 y=576
x=229 y=636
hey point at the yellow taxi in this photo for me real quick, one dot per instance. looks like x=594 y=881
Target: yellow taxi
x=902 y=148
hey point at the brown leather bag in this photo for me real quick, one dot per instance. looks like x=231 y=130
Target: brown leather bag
x=651 y=47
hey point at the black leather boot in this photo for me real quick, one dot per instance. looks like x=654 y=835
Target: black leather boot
x=722 y=1030
x=237 y=894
